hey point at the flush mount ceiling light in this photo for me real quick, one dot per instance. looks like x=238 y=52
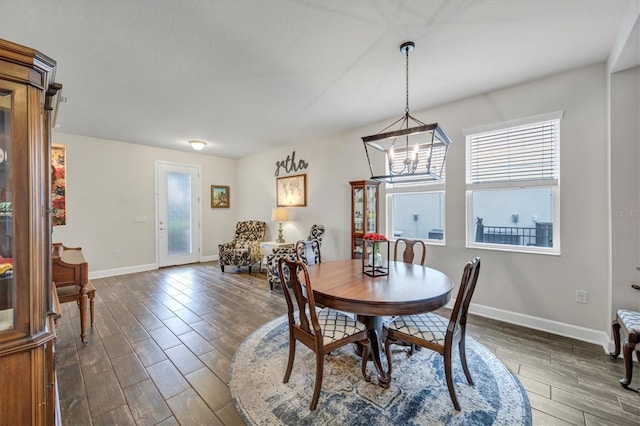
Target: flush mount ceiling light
x=197 y=144
x=407 y=150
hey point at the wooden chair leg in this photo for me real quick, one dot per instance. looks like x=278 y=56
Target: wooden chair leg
x=91 y=303
x=615 y=326
x=637 y=357
x=292 y=355
x=627 y=354
x=83 y=318
x=463 y=361
x=413 y=348
x=448 y=372
x=318 y=385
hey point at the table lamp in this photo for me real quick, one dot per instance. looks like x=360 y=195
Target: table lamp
x=280 y=215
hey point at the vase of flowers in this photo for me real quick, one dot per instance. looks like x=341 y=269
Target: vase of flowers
x=374 y=245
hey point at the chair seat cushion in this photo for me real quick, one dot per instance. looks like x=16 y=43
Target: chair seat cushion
x=430 y=327
x=336 y=325
x=630 y=320
x=241 y=245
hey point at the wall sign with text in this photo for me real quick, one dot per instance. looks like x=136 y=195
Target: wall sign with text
x=289 y=164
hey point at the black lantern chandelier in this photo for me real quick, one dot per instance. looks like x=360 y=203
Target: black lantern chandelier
x=413 y=152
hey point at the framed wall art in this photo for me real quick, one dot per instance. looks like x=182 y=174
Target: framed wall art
x=58 y=185
x=220 y=197
x=291 y=191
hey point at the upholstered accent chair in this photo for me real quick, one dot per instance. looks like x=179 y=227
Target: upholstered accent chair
x=244 y=249
x=438 y=333
x=316 y=233
x=320 y=330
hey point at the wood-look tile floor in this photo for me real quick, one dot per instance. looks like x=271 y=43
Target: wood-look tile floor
x=164 y=340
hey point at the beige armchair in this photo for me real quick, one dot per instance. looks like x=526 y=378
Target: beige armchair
x=244 y=249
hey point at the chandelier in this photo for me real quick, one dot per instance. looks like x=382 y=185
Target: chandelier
x=413 y=152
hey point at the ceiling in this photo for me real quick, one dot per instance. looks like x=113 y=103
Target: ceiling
x=251 y=75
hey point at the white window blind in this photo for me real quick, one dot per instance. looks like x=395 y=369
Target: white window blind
x=521 y=153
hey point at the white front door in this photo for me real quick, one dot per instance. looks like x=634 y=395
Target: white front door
x=178 y=213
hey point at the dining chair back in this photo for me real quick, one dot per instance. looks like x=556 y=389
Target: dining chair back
x=321 y=330
x=409 y=252
x=308 y=251
x=438 y=333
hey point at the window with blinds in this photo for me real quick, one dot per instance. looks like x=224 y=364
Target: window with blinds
x=513 y=192
x=522 y=153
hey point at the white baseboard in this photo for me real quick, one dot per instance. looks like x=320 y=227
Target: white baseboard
x=597 y=337
x=121 y=271
x=138 y=268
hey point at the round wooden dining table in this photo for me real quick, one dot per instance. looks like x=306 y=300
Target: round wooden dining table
x=408 y=289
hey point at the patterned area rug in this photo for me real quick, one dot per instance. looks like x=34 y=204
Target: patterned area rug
x=418 y=393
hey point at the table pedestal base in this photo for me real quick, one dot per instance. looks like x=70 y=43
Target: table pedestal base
x=374 y=331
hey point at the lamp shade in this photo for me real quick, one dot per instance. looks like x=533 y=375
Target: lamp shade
x=280 y=214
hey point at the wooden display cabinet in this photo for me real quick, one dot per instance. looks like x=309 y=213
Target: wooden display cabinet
x=28 y=95
x=364 y=213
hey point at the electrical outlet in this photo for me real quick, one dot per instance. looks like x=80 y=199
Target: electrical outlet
x=582 y=296
x=116 y=253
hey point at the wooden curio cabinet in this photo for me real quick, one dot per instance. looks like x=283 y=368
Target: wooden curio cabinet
x=364 y=212
x=28 y=95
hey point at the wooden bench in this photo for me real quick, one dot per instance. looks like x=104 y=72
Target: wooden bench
x=628 y=322
x=70 y=274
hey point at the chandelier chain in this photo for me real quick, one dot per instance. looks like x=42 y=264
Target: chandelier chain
x=407 y=82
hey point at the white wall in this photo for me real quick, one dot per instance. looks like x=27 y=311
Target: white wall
x=109 y=183
x=536 y=290
x=624 y=212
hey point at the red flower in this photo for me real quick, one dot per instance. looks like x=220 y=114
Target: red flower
x=374 y=237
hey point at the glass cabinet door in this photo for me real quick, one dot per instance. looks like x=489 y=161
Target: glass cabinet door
x=372 y=208
x=7 y=283
x=358 y=209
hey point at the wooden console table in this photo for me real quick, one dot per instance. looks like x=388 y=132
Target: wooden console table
x=70 y=274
